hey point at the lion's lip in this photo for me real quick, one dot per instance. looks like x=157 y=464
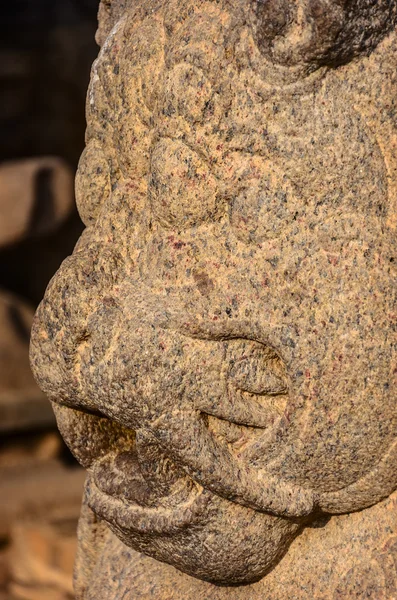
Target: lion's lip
x=118 y=491
x=129 y=515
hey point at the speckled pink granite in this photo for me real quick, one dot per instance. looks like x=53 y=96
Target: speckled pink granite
x=220 y=349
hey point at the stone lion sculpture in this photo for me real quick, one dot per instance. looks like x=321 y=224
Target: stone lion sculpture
x=220 y=349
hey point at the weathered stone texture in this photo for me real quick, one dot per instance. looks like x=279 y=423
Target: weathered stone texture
x=349 y=557
x=220 y=349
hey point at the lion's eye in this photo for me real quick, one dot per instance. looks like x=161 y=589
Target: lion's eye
x=92 y=182
x=183 y=191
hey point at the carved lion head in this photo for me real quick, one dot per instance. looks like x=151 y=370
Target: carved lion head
x=220 y=349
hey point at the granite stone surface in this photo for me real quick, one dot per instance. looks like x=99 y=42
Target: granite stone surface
x=220 y=349
x=343 y=558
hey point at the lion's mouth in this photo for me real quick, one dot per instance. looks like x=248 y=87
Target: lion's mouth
x=154 y=520
x=122 y=476
x=118 y=491
x=209 y=429
x=132 y=484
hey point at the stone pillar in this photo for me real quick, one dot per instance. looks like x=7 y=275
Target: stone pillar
x=220 y=349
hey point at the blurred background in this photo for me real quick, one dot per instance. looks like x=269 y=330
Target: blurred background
x=46 y=51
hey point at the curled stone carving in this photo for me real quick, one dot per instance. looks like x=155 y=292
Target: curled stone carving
x=220 y=349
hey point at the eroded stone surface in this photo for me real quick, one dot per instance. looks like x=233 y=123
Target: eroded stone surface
x=220 y=349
